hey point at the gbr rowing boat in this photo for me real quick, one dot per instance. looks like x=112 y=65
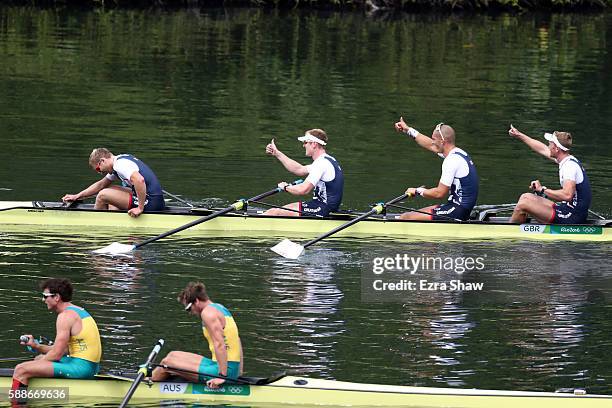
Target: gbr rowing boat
x=287 y=390
x=486 y=223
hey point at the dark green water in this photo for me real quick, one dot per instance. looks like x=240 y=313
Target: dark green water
x=198 y=95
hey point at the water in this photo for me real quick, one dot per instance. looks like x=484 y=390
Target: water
x=198 y=94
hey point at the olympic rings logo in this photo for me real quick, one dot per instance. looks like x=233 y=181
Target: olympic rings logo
x=234 y=389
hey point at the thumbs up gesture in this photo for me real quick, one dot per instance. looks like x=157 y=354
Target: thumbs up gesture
x=271 y=148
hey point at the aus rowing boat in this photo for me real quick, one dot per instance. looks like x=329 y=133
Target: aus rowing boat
x=487 y=224
x=285 y=390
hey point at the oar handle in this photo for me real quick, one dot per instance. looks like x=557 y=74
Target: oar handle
x=142 y=372
x=240 y=204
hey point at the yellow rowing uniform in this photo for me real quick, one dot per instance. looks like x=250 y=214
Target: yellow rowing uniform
x=230 y=335
x=85 y=345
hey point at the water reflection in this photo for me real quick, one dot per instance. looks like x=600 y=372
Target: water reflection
x=307 y=300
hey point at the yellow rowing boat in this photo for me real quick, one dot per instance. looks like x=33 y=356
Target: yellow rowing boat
x=486 y=225
x=285 y=390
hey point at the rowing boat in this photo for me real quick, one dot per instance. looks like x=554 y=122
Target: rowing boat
x=287 y=390
x=487 y=224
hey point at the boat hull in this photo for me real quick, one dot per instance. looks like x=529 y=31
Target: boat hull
x=254 y=224
x=305 y=391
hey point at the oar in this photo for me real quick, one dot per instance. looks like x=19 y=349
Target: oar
x=142 y=372
x=292 y=250
x=597 y=215
x=117 y=248
x=177 y=198
x=7 y=359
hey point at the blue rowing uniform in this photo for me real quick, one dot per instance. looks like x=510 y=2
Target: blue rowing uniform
x=330 y=192
x=577 y=210
x=463 y=192
x=327 y=195
x=155 y=196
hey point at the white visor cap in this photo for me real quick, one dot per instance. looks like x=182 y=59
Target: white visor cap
x=551 y=137
x=308 y=137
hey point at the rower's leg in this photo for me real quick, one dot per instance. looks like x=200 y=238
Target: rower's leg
x=182 y=360
x=113 y=198
x=37 y=368
x=285 y=213
x=415 y=216
x=538 y=207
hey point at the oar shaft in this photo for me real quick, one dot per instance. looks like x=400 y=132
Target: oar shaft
x=597 y=215
x=141 y=373
x=340 y=228
x=184 y=227
x=236 y=206
x=376 y=210
x=7 y=359
x=177 y=198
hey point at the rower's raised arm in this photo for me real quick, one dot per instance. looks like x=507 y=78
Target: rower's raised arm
x=289 y=164
x=533 y=144
x=424 y=141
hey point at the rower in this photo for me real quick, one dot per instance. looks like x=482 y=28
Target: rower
x=459 y=177
x=140 y=191
x=221 y=333
x=324 y=176
x=574 y=196
x=77 y=335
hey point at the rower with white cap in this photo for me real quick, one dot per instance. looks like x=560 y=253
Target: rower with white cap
x=324 y=177
x=567 y=205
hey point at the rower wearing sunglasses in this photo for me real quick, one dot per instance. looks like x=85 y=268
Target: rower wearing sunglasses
x=140 y=190
x=459 y=177
x=77 y=349
x=567 y=205
x=221 y=333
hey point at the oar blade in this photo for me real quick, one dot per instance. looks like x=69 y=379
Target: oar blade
x=115 y=248
x=288 y=249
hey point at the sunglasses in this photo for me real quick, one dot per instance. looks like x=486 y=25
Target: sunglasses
x=439 y=130
x=188 y=307
x=48 y=295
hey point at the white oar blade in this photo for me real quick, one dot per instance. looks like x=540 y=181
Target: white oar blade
x=115 y=249
x=288 y=249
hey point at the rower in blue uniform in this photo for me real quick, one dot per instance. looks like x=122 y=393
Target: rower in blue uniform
x=324 y=177
x=459 y=177
x=140 y=191
x=567 y=205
